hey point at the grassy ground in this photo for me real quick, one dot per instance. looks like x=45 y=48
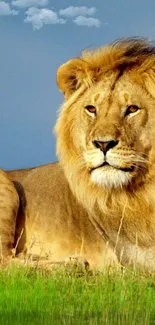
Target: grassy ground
x=30 y=296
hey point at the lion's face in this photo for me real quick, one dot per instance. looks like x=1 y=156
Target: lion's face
x=113 y=134
x=108 y=127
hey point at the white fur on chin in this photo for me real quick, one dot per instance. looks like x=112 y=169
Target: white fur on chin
x=110 y=177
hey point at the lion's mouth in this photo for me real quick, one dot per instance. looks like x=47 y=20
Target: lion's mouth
x=128 y=169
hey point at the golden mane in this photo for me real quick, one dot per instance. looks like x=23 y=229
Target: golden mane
x=108 y=205
x=121 y=55
x=130 y=54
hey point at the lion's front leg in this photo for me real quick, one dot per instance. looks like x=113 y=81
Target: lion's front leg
x=93 y=258
x=73 y=264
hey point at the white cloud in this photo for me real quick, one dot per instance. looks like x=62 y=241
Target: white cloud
x=29 y=3
x=89 y=22
x=5 y=9
x=39 y=17
x=77 y=11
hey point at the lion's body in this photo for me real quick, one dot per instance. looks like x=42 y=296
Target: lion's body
x=54 y=224
x=99 y=200
x=9 y=205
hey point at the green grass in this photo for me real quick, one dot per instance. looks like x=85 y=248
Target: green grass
x=29 y=296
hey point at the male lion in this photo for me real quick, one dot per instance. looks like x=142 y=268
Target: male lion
x=99 y=200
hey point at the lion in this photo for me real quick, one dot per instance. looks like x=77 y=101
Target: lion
x=98 y=201
x=9 y=205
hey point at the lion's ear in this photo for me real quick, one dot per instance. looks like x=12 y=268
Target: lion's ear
x=72 y=74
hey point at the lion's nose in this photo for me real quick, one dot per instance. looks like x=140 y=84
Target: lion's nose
x=105 y=145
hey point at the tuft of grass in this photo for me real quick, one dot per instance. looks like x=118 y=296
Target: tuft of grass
x=31 y=296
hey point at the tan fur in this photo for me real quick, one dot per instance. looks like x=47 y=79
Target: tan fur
x=9 y=204
x=76 y=206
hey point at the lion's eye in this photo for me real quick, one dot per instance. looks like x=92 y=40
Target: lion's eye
x=91 y=109
x=131 y=109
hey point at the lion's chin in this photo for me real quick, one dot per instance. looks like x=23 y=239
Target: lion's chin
x=111 y=177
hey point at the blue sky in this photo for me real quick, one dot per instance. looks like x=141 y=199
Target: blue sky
x=36 y=37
